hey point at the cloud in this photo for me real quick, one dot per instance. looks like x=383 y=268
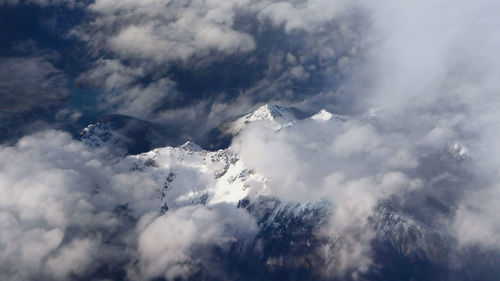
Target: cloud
x=46 y=187
x=435 y=77
x=68 y=211
x=216 y=53
x=344 y=162
x=428 y=89
x=419 y=79
x=172 y=245
x=30 y=89
x=308 y=15
x=163 y=31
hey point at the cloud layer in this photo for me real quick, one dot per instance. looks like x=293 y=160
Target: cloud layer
x=65 y=214
x=418 y=80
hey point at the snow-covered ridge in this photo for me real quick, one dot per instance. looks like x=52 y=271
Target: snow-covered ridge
x=324 y=115
x=271 y=112
x=277 y=116
x=188 y=175
x=189 y=145
x=280 y=117
x=99 y=134
x=171 y=178
x=121 y=134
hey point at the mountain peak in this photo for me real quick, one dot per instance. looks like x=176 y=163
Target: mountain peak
x=278 y=116
x=271 y=112
x=122 y=134
x=324 y=115
x=189 y=145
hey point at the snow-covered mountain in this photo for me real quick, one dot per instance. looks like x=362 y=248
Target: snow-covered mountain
x=288 y=242
x=188 y=174
x=324 y=115
x=122 y=134
x=274 y=115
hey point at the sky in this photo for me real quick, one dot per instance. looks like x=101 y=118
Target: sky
x=417 y=82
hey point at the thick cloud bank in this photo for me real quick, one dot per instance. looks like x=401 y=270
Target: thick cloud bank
x=68 y=213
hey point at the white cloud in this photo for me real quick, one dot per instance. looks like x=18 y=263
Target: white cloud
x=431 y=77
x=58 y=215
x=311 y=15
x=359 y=139
x=146 y=38
x=172 y=245
x=47 y=183
x=432 y=72
x=344 y=162
x=75 y=258
x=163 y=31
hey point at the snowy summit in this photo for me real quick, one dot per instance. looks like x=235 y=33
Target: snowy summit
x=278 y=116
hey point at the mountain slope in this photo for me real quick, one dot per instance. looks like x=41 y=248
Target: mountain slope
x=288 y=244
x=275 y=116
x=122 y=134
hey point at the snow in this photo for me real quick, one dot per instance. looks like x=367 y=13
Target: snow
x=197 y=176
x=100 y=134
x=187 y=174
x=278 y=116
x=191 y=146
x=459 y=151
x=324 y=115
